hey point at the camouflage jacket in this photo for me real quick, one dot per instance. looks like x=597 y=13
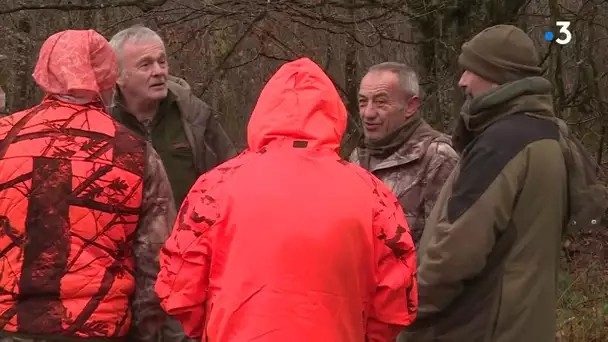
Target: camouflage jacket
x=158 y=213
x=416 y=173
x=157 y=216
x=100 y=209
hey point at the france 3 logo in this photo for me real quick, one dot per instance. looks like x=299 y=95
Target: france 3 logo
x=564 y=35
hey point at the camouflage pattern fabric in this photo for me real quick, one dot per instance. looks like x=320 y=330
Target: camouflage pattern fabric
x=416 y=173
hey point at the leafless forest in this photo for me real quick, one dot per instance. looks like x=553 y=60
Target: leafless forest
x=227 y=49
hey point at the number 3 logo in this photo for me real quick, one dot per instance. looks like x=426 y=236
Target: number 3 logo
x=563 y=30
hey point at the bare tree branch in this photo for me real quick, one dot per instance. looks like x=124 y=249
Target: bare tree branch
x=144 y=5
x=230 y=51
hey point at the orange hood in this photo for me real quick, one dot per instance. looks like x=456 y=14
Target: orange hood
x=75 y=61
x=299 y=102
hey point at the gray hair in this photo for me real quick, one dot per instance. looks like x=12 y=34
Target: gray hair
x=408 y=80
x=137 y=33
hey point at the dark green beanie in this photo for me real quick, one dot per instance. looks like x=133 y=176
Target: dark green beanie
x=500 y=54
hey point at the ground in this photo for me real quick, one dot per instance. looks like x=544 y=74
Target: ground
x=583 y=301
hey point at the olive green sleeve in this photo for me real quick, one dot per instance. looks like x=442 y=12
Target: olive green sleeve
x=218 y=141
x=467 y=226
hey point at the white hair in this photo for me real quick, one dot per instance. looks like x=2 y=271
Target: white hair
x=408 y=80
x=134 y=34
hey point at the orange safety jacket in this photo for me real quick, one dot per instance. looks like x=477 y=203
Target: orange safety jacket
x=70 y=197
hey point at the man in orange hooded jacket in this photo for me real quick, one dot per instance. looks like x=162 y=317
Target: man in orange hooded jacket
x=287 y=242
x=85 y=206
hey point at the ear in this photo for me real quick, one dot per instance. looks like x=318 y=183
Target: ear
x=412 y=106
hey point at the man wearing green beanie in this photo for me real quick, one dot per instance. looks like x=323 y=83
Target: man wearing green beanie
x=488 y=257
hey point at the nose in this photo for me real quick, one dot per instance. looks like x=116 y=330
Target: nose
x=158 y=69
x=367 y=110
x=462 y=82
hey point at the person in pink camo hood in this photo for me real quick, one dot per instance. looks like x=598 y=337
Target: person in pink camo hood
x=88 y=205
x=78 y=66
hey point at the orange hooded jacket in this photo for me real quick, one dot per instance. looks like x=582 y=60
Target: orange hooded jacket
x=287 y=242
x=84 y=207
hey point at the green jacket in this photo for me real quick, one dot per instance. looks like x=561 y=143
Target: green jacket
x=210 y=144
x=186 y=134
x=488 y=257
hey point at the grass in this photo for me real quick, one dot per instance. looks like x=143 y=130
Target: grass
x=583 y=281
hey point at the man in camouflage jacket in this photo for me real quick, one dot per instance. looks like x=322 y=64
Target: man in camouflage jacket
x=399 y=147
